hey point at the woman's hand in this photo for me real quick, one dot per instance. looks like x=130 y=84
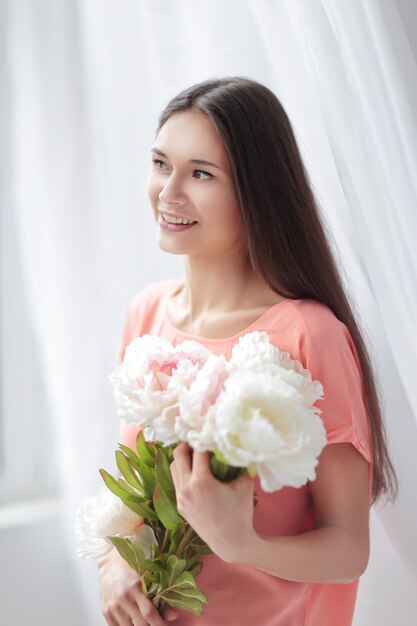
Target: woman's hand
x=220 y=513
x=122 y=599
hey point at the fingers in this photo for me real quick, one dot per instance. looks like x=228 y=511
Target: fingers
x=115 y=616
x=181 y=465
x=132 y=615
x=123 y=600
x=170 y=615
x=188 y=461
x=110 y=619
x=135 y=616
x=201 y=465
x=148 y=611
x=174 y=474
x=246 y=481
x=182 y=456
x=138 y=610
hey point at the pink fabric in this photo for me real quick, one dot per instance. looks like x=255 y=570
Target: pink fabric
x=240 y=595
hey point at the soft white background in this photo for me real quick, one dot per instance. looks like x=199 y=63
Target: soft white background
x=82 y=86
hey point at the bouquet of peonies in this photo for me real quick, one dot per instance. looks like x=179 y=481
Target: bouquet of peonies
x=254 y=412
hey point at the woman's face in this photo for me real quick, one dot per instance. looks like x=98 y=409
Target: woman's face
x=185 y=188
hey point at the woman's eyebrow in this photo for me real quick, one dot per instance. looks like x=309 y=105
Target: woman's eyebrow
x=197 y=161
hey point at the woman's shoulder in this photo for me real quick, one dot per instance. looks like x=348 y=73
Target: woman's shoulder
x=323 y=339
x=315 y=317
x=307 y=316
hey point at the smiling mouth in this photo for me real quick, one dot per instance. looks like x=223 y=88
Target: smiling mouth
x=174 y=227
x=168 y=219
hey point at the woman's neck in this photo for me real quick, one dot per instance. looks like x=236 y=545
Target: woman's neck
x=221 y=288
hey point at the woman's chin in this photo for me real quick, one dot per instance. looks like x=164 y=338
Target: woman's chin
x=171 y=247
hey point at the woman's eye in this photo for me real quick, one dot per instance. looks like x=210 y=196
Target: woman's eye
x=204 y=174
x=201 y=174
x=156 y=161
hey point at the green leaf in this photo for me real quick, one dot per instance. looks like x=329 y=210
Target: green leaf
x=112 y=484
x=127 y=471
x=126 y=487
x=126 y=550
x=175 y=567
x=151 y=566
x=163 y=474
x=155 y=587
x=181 y=600
x=147 y=475
x=140 y=554
x=154 y=550
x=183 y=593
x=169 y=451
x=147 y=511
x=135 y=503
x=146 y=450
x=144 y=586
x=174 y=540
x=133 y=458
x=160 y=533
x=166 y=509
x=140 y=508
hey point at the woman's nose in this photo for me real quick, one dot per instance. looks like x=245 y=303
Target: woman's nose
x=172 y=192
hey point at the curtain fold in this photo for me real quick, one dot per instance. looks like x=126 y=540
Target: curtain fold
x=88 y=82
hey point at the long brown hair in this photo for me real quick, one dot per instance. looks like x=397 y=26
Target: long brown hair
x=287 y=238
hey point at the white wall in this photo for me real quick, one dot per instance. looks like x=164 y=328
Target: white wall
x=37 y=584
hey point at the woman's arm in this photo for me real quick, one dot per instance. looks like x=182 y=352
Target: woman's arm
x=222 y=514
x=338 y=549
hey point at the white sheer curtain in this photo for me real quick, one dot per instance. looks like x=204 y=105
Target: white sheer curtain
x=88 y=80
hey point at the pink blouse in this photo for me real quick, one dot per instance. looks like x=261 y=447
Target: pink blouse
x=241 y=595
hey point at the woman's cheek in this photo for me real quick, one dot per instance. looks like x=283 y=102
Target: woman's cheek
x=153 y=191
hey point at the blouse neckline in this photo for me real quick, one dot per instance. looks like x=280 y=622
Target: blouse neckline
x=201 y=339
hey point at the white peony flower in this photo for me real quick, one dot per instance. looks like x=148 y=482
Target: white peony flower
x=254 y=352
x=103 y=515
x=262 y=422
x=146 y=384
x=257 y=409
x=195 y=422
x=162 y=428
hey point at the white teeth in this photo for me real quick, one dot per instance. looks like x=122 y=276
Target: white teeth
x=176 y=220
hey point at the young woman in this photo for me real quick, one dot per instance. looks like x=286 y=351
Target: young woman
x=229 y=192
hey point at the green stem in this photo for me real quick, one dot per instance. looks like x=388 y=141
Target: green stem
x=164 y=541
x=183 y=543
x=159 y=603
x=193 y=560
x=223 y=471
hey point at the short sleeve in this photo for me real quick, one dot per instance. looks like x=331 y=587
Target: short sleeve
x=141 y=313
x=127 y=332
x=328 y=351
x=133 y=322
